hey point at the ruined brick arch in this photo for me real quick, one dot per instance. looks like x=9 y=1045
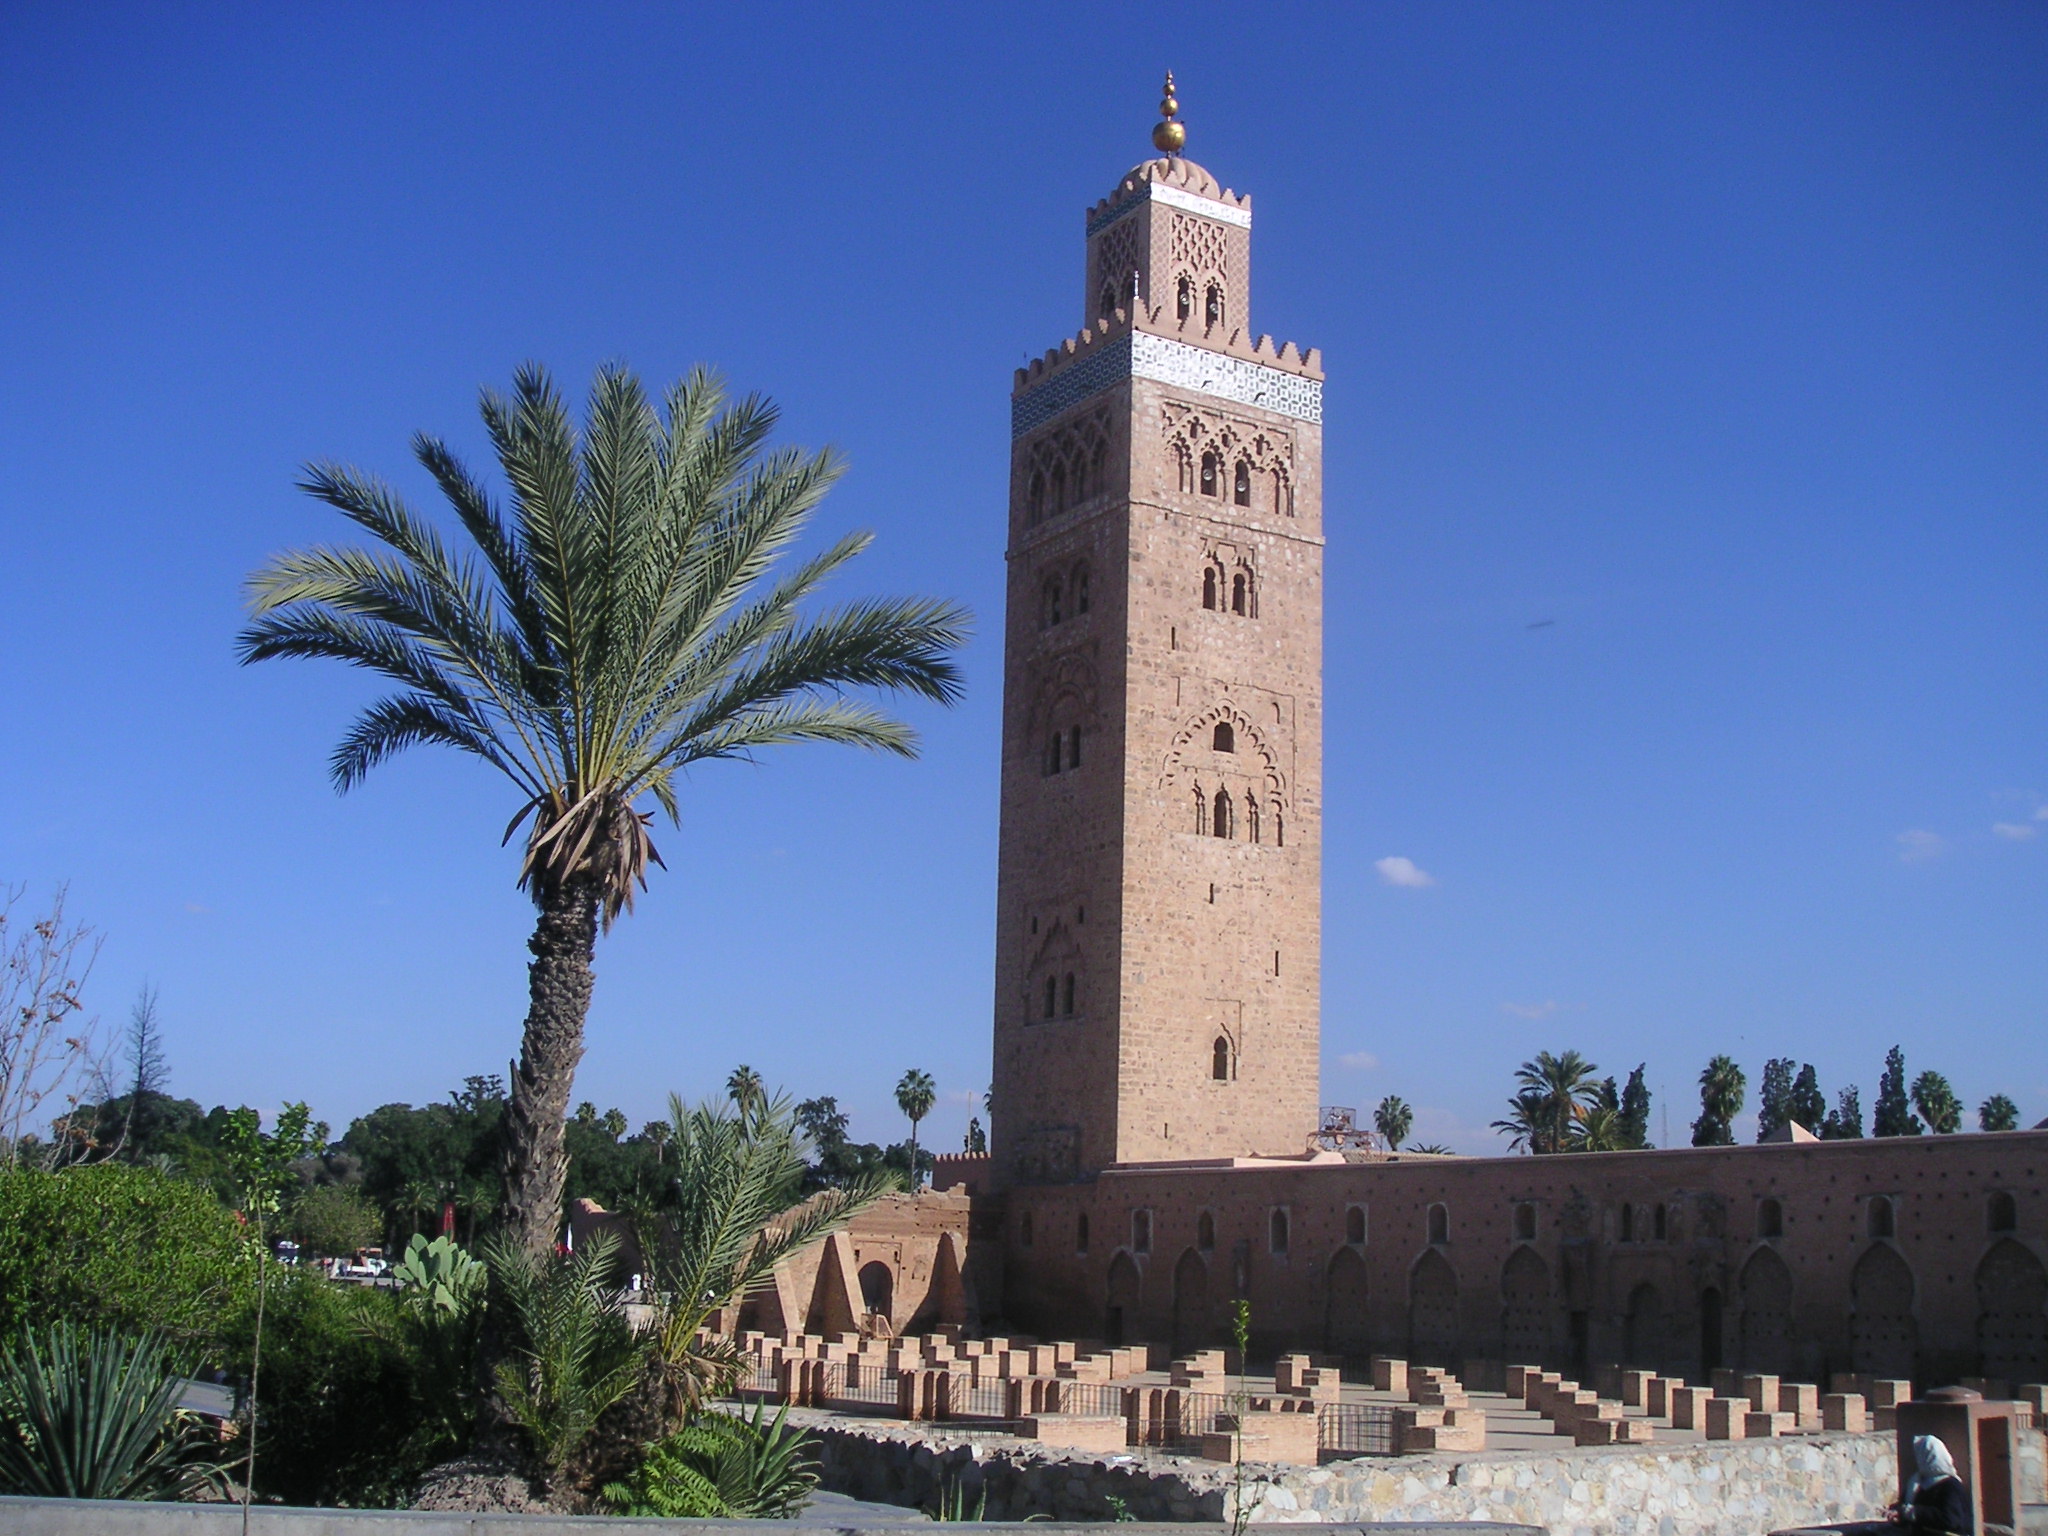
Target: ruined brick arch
x=1191 y=1324
x=1347 y=1296
x=2012 y=1313
x=1433 y=1310
x=1766 y=1292
x=1884 y=1335
x=1527 y=1331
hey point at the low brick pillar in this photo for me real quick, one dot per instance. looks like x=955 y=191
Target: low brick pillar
x=1845 y=1411
x=1635 y=1388
x=1657 y=1395
x=1289 y=1437
x=1727 y=1418
x=1762 y=1392
x=1614 y=1431
x=1514 y=1381
x=1886 y=1392
x=1389 y=1374
x=1801 y=1399
x=1099 y=1434
x=1767 y=1426
x=1689 y=1407
x=1418 y=1429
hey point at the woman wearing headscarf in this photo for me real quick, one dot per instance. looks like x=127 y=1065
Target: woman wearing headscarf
x=1935 y=1499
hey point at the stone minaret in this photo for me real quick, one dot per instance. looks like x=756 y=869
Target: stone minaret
x=1159 y=896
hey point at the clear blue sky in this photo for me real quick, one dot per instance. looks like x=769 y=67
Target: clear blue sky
x=1715 y=334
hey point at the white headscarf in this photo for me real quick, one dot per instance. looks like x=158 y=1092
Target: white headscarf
x=1933 y=1463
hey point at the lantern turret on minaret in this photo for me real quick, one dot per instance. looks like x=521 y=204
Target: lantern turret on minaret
x=1159 y=950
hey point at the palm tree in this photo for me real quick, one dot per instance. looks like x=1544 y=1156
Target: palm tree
x=743 y=1087
x=616 y=625
x=1564 y=1085
x=1393 y=1120
x=1722 y=1085
x=1526 y=1120
x=915 y=1095
x=1600 y=1128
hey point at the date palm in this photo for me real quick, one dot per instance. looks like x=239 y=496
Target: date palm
x=1393 y=1119
x=622 y=618
x=1559 y=1087
x=915 y=1095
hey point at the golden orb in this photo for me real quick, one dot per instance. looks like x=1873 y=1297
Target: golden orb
x=1169 y=137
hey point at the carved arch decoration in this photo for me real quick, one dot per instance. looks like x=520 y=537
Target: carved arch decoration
x=1265 y=452
x=1249 y=773
x=1069 y=688
x=1066 y=466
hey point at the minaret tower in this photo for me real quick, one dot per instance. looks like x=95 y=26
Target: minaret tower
x=1159 y=896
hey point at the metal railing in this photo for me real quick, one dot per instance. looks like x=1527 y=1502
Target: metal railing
x=1356 y=1429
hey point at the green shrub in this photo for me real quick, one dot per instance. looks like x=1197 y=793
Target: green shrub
x=91 y=1414
x=341 y=1423
x=129 y=1249
x=334 y=1219
x=722 y=1466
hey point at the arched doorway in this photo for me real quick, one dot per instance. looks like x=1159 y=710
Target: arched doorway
x=2012 y=1313
x=877 y=1289
x=1345 y=1295
x=1526 y=1322
x=1645 y=1343
x=1883 y=1337
x=1433 y=1310
x=1120 y=1315
x=1767 y=1313
x=1190 y=1303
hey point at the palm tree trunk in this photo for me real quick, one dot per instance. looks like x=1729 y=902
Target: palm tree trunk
x=558 y=1000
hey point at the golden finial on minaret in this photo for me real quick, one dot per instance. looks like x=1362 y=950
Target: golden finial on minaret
x=1170 y=136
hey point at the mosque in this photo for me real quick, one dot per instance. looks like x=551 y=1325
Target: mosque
x=1156 y=1153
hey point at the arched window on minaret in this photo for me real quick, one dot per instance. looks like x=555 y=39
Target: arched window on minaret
x=1242 y=491
x=1225 y=739
x=1051 y=994
x=1074 y=747
x=1209 y=587
x=1201 y=810
x=1080 y=590
x=1183 y=298
x=1237 y=595
x=1279 y=827
x=1184 y=465
x=1209 y=487
x=1036 y=500
x=1222 y=817
x=1052 y=601
x=1212 y=308
x=1283 y=498
x=1251 y=817
x=1107 y=308
x=1056 y=491
x=1219 y=1060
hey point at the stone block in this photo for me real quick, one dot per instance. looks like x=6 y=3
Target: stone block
x=1727 y=1418
x=1635 y=1388
x=1845 y=1411
x=1886 y=1419
x=1100 y=1434
x=1614 y=1431
x=1287 y=1372
x=2035 y=1395
x=1389 y=1375
x=1514 y=1379
x=1767 y=1426
x=1762 y=1392
x=1801 y=1399
x=1094 y=1368
x=1657 y=1395
x=1447 y=1436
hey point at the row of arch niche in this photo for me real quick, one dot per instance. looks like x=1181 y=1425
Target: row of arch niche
x=2011 y=1288
x=849 y=1297
x=1230 y=591
x=1063 y=595
x=1218 y=815
x=1214 y=305
x=1068 y=466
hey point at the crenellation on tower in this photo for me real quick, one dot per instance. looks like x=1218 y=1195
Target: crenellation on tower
x=1158 y=963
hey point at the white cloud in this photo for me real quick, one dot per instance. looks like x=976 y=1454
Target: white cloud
x=1359 y=1061
x=2015 y=831
x=1917 y=847
x=1399 y=871
x=1542 y=1010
